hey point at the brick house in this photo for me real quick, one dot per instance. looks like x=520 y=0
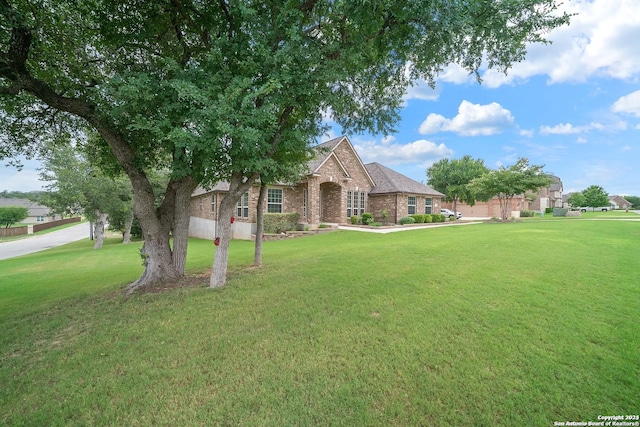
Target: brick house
x=489 y=209
x=545 y=197
x=336 y=186
x=619 y=202
x=548 y=197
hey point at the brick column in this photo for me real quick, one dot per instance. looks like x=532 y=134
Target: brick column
x=313 y=201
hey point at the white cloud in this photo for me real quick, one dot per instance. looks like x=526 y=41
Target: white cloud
x=420 y=151
x=601 y=40
x=421 y=90
x=568 y=129
x=581 y=140
x=629 y=104
x=528 y=133
x=472 y=120
x=454 y=73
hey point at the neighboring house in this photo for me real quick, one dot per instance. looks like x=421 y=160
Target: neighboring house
x=37 y=213
x=548 y=197
x=337 y=185
x=489 y=209
x=619 y=202
x=545 y=197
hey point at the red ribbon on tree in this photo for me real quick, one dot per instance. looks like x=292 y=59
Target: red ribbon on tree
x=233 y=219
x=216 y=241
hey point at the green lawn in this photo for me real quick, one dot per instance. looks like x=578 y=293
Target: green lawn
x=522 y=323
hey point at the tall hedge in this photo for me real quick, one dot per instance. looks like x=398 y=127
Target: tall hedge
x=276 y=223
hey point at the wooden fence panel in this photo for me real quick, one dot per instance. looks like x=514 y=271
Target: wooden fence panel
x=14 y=231
x=51 y=224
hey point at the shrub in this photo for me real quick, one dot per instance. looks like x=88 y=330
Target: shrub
x=407 y=220
x=527 y=214
x=419 y=218
x=548 y=210
x=428 y=218
x=354 y=219
x=280 y=222
x=367 y=218
x=438 y=217
x=323 y=226
x=375 y=224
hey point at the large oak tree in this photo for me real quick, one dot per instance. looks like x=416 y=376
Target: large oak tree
x=507 y=182
x=228 y=90
x=452 y=178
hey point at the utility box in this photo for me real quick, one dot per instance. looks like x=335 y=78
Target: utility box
x=560 y=211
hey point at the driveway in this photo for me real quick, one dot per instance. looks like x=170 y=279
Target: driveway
x=44 y=241
x=383 y=230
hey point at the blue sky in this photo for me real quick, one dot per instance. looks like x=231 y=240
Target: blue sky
x=573 y=106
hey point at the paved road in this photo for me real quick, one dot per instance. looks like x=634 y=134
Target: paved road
x=44 y=241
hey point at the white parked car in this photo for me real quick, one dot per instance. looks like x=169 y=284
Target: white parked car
x=449 y=214
x=599 y=208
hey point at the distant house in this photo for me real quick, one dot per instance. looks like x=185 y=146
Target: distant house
x=37 y=213
x=548 y=197
x=619 y=202
x=336 y=186
x=489 y=209
x=545 y=197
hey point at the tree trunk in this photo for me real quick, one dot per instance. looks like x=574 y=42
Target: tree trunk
x=183 y=189
x=505 y=207
x=237 y=186
x=156 y=227
x=257 y=257
x=455 y=208
x=101 y=219
x=126 y=234
x=223 y=236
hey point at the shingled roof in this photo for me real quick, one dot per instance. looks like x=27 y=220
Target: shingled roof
x=389 y=181
x=323 y=151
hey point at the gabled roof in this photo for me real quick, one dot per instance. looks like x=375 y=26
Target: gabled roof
x=389 y=181
x=35 y=209
x=220 y=186
x=326 y=151
x=619 y=198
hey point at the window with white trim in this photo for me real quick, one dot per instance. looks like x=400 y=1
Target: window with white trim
x=304 y=203
x=411 y=205
x=428 y=203
x=242 y=207
x=356 y=203
x=274 y=200
x=213 y=203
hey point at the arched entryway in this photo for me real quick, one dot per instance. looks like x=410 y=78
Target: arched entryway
x=331 y=203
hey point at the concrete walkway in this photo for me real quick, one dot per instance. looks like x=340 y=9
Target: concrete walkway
x=383 y=230
x=41 y=242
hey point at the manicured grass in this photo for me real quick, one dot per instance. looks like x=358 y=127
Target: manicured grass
x=494 y=324
x=616 y=214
